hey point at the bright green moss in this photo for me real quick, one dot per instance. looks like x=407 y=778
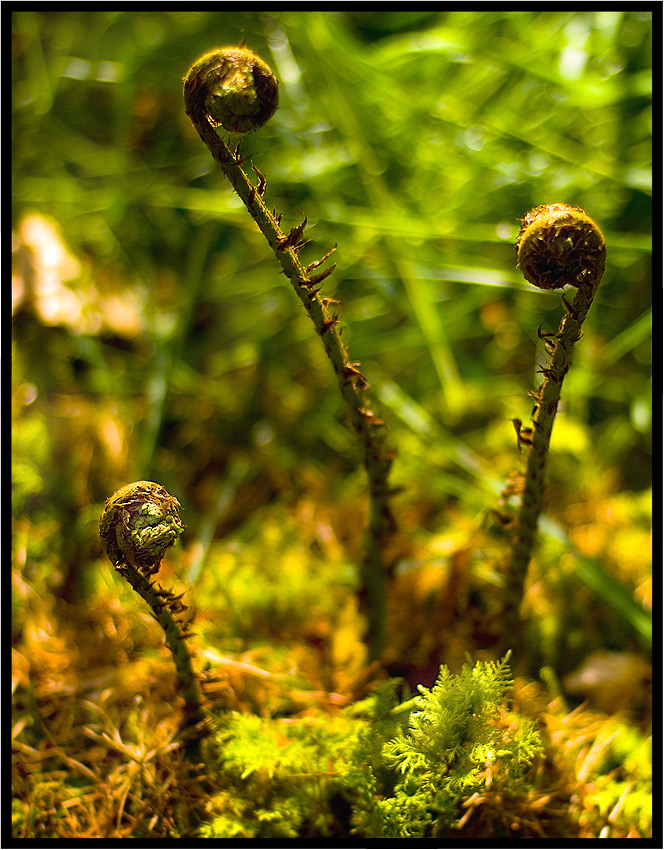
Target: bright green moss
x=396 y=771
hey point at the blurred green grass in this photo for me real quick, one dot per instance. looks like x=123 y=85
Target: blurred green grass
x=413 y=140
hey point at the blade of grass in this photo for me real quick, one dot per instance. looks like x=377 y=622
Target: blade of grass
x=627 y=340
x=233 y=477
x=435 y=435
x=617 y=595
x=424 y=309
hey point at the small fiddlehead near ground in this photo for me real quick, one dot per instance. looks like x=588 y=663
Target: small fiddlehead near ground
x=233 y=89
x=558 y=245
x=138 y=524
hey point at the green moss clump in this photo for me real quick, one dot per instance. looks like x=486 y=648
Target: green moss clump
x=378 y=769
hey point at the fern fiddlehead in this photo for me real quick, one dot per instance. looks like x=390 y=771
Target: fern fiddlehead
x=138 y=524
x=222 y=85
x=558 y=245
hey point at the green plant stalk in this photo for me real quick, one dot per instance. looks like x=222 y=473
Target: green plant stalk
x=175 y=640
x=537 y=452
x=352 y=384
x=557 y=245
x=138 y=524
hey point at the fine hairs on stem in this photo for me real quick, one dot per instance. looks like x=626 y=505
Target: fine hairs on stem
x=138 y=524
x=234 y=89
x=558 y=245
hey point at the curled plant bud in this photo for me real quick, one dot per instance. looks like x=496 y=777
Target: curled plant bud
x=559 y=245
x=138 y=524
x=233 y=88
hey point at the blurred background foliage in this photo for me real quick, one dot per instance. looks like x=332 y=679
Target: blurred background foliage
x=153 y=336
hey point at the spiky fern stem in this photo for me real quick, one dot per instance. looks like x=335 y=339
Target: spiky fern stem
x=139 y=522
x=557 y=245
x=203 y=77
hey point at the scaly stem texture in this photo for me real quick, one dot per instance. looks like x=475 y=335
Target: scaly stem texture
x=533 y=489
x=558 y=244
x=138 y=524
x=376 y=459
x=158 y=600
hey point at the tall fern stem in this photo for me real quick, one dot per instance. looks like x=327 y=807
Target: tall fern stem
x=214 y=74
x=557 y=245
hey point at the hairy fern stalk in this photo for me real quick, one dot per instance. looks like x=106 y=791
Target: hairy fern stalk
x=221 y=86
x=558 y=245
x=138 y=524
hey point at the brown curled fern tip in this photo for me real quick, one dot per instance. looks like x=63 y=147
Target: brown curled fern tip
x=138 y=524
x=558 y=245
x=211 y=88
x=234 y=88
